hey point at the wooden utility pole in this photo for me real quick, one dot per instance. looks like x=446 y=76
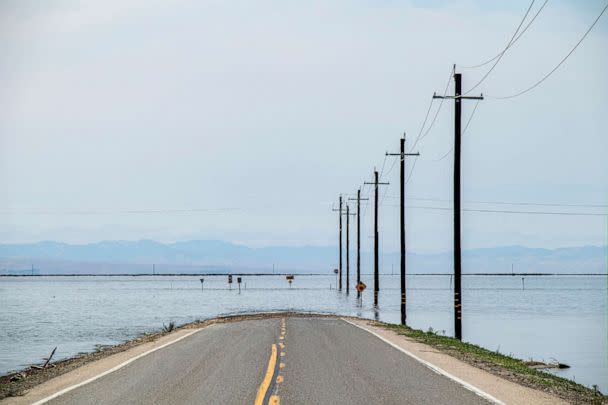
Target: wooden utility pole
x=402 y=156
x=348 y=214
x=376 y=183
x=359 y=199
x=458 y=97
x=347 y=250
x=340 y=243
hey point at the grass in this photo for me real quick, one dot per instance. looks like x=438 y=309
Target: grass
x=504 y=366
x=169 y=328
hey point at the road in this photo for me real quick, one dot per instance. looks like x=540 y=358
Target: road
x=278 y=360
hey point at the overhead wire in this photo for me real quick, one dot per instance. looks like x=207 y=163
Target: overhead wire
x=540 y=204
x=445 y=92
x=392 y=167
x=463 y=132
x=428 y=111
x=412 y=170
x=512 y=43
x=420 y=135
x=484 y=77
x=567 y=213
x=419 y=138
x=383 y=164
x=545 y=77
x=127 y=211
x=363 y=195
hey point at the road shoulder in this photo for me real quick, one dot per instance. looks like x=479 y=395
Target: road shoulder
x=503 y=390
x=86 y=372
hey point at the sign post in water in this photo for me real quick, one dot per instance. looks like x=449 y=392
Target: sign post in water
x=289 y=279
x=336 y=271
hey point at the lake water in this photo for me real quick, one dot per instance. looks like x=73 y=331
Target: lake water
x=554 y=317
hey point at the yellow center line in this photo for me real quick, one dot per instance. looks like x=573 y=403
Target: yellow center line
x=259 y=399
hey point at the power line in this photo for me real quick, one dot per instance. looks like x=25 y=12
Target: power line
x=412 y=170
x=542 y=204
x=381 y=177
x=368 y=196
x=134 y=211
x=382 y=198
x=503 y=52
x=419 y=137
x=445 y=92
x=391 y=168
x=507 y=202
x=463 y=132
x=512 y=43
x=565 y=213
x=515 y=212
x=559 y=64
x=426 y=117
x=382 y=170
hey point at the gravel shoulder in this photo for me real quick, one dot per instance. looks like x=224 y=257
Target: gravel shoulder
x=509 y=379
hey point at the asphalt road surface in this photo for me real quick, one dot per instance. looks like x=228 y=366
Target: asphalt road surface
x=280 y=360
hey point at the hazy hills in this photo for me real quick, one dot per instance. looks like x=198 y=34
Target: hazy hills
x=219 y=256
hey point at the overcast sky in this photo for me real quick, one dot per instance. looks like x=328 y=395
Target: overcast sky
x=264 y=111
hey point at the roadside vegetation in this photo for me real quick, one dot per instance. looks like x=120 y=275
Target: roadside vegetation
x=507 y=367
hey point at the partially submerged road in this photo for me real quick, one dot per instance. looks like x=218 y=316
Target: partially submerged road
x=278 y=360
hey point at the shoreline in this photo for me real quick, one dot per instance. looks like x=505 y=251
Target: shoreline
x=514 y=370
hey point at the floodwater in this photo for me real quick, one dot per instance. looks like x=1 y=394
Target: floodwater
x=541 y=318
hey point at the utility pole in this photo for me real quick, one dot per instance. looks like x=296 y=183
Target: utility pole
x=376 y=183
x=348 y=214
x=347 y=250
x=359 y=199
x=402 y=156
x=340 y=243
x=458 y=97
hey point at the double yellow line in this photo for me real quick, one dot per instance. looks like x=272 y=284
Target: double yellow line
x=270 y=371
x=272 y=363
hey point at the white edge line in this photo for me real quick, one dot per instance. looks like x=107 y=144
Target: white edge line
x=433 y=367
x=113 y=369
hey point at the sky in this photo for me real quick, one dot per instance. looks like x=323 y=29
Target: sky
x=244 y=120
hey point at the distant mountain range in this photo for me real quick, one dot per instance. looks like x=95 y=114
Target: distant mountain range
x=205 y=256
